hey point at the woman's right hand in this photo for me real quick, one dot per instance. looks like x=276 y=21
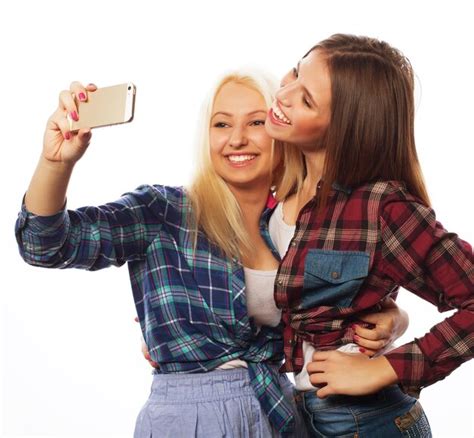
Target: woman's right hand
x=60 y=145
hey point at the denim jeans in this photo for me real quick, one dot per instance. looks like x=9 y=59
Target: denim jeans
x=386 y=414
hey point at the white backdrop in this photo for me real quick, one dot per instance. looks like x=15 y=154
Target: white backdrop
x=70 y=351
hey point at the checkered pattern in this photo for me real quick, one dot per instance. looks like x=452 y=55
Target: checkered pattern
x=407 y=247
x=191 y=304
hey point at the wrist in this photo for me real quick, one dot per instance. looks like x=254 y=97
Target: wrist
x=384 y=372
x=57 y=167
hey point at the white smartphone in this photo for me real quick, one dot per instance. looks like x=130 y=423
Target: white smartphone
x=106 y=106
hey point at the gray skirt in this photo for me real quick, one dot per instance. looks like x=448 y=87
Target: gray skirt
x=220 y=403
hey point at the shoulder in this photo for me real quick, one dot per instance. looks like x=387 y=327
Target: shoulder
x=381 y=190
x=159 y=194
x=165 y=202
x=385 y=193
x=390 y=201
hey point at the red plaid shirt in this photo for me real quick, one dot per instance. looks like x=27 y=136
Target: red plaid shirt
x=364 y=245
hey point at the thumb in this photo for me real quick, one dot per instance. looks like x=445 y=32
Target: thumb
x=84 y=137
x=372 y=318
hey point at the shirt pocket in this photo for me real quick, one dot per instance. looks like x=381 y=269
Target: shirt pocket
x=333 y=278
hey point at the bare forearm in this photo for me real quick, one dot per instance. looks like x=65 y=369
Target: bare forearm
x=46 y=194
x=61 y=150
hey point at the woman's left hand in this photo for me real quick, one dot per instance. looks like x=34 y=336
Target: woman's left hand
x=350 y=374
x=388 y=325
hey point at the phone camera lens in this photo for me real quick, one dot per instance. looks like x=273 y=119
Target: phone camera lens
x=129 y=88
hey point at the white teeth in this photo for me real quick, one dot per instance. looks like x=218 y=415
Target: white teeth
x=277 y=111
x=240 y=158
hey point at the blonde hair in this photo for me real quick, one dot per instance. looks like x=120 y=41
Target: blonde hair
x=215 y=211
x=293 y=173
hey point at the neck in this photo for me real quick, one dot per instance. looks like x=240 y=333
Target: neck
x=314 y=170
x=252 y=202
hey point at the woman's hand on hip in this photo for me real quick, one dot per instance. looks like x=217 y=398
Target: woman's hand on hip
x=350 y=374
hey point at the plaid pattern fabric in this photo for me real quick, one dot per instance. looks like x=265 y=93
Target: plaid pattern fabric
x=190 y=303
x=403 y=245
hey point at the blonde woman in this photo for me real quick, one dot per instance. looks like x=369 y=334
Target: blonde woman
x=201 y=261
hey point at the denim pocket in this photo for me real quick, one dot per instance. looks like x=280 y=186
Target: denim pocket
x=333 y=278
x=414 y=423
x=330 y=421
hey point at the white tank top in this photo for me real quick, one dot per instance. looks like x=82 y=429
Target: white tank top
x=259 y=286
x=261 y=305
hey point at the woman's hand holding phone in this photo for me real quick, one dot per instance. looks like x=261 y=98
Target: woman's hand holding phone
x=60 y=144
x=46 y=194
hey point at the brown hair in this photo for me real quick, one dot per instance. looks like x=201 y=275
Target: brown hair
x=370 y=136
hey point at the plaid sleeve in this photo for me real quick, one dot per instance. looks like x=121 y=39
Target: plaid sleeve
x=93 y=237
x=421 y=256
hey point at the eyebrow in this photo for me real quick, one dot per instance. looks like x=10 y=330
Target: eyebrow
x=305 y=90
x=223 y=113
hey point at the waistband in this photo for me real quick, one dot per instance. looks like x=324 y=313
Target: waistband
x=391 y=393
x=212 y=385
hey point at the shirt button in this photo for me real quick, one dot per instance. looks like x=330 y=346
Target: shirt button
x=293 y=243
x=335 y=275
x=280 y=282
x=291 y=342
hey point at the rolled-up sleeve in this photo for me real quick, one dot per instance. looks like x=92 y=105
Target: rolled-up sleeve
x=421 y=256
x=92 y=237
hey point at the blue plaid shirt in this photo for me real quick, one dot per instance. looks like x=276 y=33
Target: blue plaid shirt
x=190 y=301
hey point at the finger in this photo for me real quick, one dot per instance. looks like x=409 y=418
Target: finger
x=316 y=367
x=135 y=319
x=371 y=345
x=84 y=135
x=371 y=318
x=78 y=91
x=82 y=138
x=318 y=379
x=64 y=127
x=325 y=391
x=373 y=334
x=91 y=87
x=321 y=355
x=68 y=105
x=367 y=352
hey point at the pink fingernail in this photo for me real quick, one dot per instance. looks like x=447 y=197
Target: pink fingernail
x=362 y=350
x=357 y=337
x=67 y=136
x=74 y=116
x=82 y=96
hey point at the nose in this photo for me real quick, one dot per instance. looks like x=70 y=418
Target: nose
x=238 y=137
x=283 y=95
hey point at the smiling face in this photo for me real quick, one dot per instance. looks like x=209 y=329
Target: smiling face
x=302 y=108
x=241 y=149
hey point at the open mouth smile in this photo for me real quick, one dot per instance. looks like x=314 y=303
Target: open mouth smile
x=277 y=116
